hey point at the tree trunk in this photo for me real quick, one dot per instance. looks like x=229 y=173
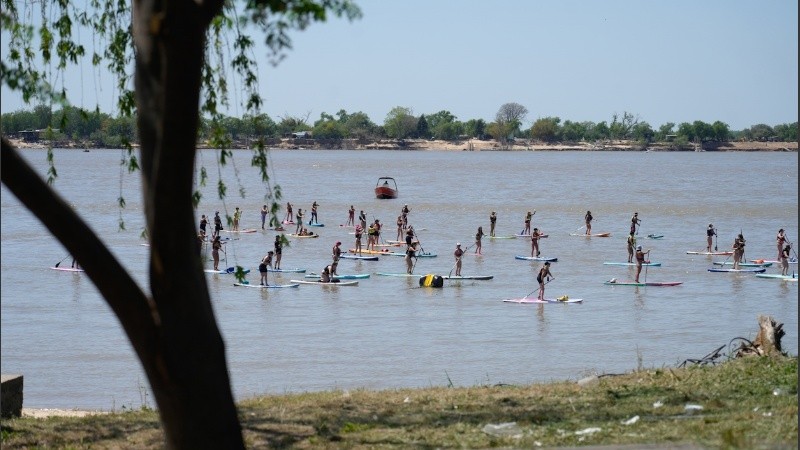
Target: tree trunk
x=768 y=340
x=190 y=378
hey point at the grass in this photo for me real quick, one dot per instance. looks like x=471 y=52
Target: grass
x=746 y=403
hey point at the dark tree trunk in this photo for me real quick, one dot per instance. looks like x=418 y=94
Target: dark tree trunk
x=190 y=378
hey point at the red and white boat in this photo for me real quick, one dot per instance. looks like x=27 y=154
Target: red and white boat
x=386 y=188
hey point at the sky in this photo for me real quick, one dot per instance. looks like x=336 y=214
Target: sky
x=580 y=60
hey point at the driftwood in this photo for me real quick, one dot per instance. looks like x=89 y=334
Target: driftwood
x=767 y=342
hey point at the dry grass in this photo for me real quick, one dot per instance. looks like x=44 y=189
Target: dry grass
x=747 y=403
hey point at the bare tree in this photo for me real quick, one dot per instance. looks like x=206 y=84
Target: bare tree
x=172 y=329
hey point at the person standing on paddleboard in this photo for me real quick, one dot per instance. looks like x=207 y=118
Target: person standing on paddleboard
x=278 y=251
x=781 y=239
x=784 y=259
x=362 y=219
x=544 y=272
x=710 y=233
x=492 y=222
x=336 y=252
x=478 y=237
x=237 y=215
x=217 y=224
x=264 y=212
x=216 y=245
x=640 y=260
x=410 y=253
x=266 y=261
x=631 y=246
x=288 y=217
x=351 y=216
x=535 y=236
x=588 y=219
x=299 y=219
x=400 y=227
x=203 y=225
x=527 y=228
x=738 y=251
x=635 y=221
x=404 y=214
x=458 y=253
x=359 y=231
x=313 y=218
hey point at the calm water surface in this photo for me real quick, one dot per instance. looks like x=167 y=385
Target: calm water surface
x=387 y=332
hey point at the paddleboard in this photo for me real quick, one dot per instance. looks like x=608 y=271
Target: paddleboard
x=528 y=235
x=748 y=270
x=337 y=283
x=347 y=226
x=591 y=235
x=363 y=258
x=67 y=269
x=397 y=274
x=655 y=236
x=536 y=258
x=468 y=277
x=744 y=264
x=288 y=222
x=230 y=270
x=356 y=276
x=417 y=255
x=710 y=253
x=613 y=282
x=773 y=261
x=527 y=300
x=246 y=230
x=269 y=269
x=776 y=276
x=371 y=252
x=269 y=286
x=299 y=236
x=316 y=224
x=503 y=237
x=651 y=264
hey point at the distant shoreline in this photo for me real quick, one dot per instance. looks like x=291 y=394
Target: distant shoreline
x=472 y=145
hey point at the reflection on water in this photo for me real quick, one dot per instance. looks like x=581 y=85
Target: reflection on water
x=388 y=332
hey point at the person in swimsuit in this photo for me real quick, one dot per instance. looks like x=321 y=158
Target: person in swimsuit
x=336 y=252
x=203 y=224
x=288 y=217
x=492 y=222
x=400 y=227
x=278 y=251
x=264 y=212
x=478 y=237
x=631 y=246
x=738 y=250
x=359 y=232
x=710 y=233
x=640 y=260
x=458 y=253
x=327 y=275
x=785 y=259
x=535 y=236
x=299 y=219
x=409 y=236
x=262 y=268
x=410 y=253
x=351 y=216
x=216 y=246
x=371 y=237
x=544 y=272
x=237 y=214
x=781 y=240
x=404 y=214
x=362 y=218
x=217 y=224
x=527 y=228
x=635 y=222
x=588 y=219
x=313 y=213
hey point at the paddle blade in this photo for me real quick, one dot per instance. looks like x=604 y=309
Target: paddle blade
x=230 y=270
x=58 y=263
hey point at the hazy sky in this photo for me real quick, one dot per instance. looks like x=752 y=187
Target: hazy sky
x=663 y=61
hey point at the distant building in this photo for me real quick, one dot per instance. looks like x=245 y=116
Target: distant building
x=301 y=135
x=35 y=135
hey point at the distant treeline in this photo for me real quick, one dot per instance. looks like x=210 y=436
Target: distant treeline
x=102 y=130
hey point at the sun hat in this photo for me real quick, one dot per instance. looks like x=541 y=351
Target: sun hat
x=458 y=244
x=638 y=247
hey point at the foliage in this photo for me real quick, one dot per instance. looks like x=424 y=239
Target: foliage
x=747 y=403
x=400 y=123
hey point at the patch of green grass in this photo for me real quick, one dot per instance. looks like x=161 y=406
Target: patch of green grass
x=747 y=403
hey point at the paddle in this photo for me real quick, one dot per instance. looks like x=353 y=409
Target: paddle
x=579 y=228
x=545 y=283
x=457 y=260
x=62 y=260
x=715 y=239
